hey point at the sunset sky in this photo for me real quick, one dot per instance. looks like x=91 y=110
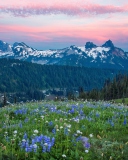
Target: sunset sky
x=49 y=24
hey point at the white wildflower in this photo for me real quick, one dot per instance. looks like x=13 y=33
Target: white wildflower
x=15 y=132
x=45 y=144
x=63 y=155
x=90 y=135
x=78 y=132
x=23 y=140
x=36 y=131
x=86 y=151
x=42 y=117
x=69 y=125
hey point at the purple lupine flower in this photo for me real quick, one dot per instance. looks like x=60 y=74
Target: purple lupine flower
x=85 y=142
x=23 y=143
x=54 y=131
x=21 y=111
x=44 y=149
x=27 y=143
x=125 y=122
x=84 y=139
x=49 y=147
x=25 y=136
x=97 y=115
x=40 y=138
x=20 y=125
x=50 y=123
x=44 y=141
x=28 y=149
x=87 y=145
x=33 y=141
x=81 y=112
x=35 y=147
x=78 y=138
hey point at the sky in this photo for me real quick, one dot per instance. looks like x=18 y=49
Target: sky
x=54 y=24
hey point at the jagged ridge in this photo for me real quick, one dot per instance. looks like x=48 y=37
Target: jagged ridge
x=90 y=55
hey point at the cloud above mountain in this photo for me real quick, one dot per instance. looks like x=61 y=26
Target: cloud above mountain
x=70 y=9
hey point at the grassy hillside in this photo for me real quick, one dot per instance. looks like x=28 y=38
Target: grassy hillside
x=64 y=130
x=122 y=100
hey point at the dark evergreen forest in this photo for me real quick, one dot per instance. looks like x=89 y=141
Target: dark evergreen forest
x=29 y=80
x=112 y=89
x=22 y=76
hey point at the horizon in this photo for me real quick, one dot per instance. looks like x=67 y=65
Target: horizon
x=57 y=24
x=62 y=46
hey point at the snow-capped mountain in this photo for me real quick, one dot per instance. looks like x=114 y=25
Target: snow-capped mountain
x=90 y=55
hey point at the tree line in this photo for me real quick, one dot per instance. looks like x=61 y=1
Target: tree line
x=112 y=89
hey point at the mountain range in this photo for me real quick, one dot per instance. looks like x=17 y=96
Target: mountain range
x=90 y=55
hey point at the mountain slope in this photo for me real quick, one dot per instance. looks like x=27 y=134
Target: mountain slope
x=90 y=55
x=19 y=76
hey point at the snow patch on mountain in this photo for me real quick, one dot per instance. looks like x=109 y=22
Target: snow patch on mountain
x=82 y=48
x=101 y=49
x=94 y=52
x=18 y=49
x=7 y=54
x=89 y=55
x=46 y=53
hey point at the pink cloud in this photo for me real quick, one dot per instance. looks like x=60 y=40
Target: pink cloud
x=97 y=32
x=66 y=8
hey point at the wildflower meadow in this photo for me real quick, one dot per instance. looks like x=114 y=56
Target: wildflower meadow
x=69 y=130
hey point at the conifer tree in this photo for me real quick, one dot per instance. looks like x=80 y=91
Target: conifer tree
x=4 y=100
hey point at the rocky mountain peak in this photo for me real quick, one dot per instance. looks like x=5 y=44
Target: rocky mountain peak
x=108 y=43
x=90 y=45
x=5 y=47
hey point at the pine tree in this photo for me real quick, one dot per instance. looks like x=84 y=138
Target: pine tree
x=4 y=100
x=15 y=99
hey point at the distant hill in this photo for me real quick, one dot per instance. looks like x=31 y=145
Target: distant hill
x=20 y=76
x=90 y=55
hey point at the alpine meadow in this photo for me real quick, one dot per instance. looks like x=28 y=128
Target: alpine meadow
x=63 y=80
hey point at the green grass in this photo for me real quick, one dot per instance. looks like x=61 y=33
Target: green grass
x=64 y=130
x=123 y=100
